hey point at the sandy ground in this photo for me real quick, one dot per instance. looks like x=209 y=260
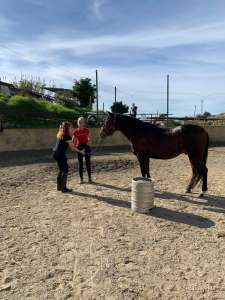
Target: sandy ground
x=90 y=245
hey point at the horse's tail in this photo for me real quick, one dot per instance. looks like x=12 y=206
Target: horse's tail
x=205 y=155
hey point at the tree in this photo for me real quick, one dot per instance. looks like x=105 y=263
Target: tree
x=119 y=107
x=84 y=91
x=206 y=114
x=29 y=84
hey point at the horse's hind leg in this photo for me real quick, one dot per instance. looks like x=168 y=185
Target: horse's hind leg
x=199 y=170
x=194 y=179
x=205 y=179
x=204 y=174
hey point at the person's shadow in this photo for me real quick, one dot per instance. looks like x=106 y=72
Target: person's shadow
x=112 y=187
x=157 y=212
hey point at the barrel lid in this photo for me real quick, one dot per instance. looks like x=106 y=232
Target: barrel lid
x=142 y=179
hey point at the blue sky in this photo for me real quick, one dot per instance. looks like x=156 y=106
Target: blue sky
x=133 y=44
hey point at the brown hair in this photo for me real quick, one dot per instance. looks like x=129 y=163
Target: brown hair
x=63 y=130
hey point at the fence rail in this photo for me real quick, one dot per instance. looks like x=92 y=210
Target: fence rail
x=96 y=120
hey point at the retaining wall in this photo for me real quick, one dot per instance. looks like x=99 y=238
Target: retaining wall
x=35 y=139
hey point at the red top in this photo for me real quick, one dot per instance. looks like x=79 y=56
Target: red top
x=81 y=135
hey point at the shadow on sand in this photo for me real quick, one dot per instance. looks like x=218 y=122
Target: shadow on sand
x=28 y=157
x=210 y=202
x=112 y=187
x=158 y=212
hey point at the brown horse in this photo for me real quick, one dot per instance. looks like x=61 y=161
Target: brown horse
x=150 y=141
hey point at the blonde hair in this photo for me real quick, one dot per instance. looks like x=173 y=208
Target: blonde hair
x=63 y=130
x=80 y=119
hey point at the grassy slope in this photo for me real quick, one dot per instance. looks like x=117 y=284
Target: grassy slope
x=24 y=111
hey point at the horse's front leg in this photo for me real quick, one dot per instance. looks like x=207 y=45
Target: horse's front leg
x=147 y=161
x=142 y=163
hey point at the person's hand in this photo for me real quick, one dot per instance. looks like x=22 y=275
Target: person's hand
x=82 y=152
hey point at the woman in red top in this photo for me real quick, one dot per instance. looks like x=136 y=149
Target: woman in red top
x=81 y=139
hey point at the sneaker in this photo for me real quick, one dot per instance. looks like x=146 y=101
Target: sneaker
x=81 y=181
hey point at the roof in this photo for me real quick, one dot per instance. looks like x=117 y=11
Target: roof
x=54 y=89
x=2 y=83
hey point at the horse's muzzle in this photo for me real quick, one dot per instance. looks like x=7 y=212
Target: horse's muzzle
x=102 y=134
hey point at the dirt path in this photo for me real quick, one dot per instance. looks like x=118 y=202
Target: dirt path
x=90 y=245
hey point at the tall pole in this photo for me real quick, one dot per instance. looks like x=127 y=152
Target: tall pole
x=202 y=103
x=115 y=99
x=96 y=83
x=167 y=100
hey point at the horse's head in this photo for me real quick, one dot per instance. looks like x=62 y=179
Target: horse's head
x=109 y=126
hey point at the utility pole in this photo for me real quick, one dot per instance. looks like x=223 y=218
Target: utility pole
x=115 y=97
x=202 y=103
x=195 y=111
x=103 y=107
x=96 y=84
x=167 y=100
x=115 y=93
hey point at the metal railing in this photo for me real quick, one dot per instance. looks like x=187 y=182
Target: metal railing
x=93 y=120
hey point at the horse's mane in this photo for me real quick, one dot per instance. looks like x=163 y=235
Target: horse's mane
x=134 y=123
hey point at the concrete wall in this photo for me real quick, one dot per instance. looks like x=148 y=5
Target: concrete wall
x=35 y=139
x=216 y=135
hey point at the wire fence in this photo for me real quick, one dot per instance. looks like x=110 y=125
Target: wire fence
x=24 y=120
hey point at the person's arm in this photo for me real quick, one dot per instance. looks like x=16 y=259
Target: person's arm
x=74 y=148
x=74 y=139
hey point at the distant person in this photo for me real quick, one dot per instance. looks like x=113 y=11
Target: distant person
x=64 y=139
x=133 y=110
x=81 y=139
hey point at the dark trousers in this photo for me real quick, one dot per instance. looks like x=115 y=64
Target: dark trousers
x=63 y=170
x=87 y=156
x=62 y=163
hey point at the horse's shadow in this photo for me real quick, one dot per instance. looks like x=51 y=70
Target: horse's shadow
x=210 y=202
x=157 y=212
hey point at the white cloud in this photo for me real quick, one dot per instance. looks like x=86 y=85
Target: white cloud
x=145 y=39
x=47 y=57
x=97 y=8
x=151 y=40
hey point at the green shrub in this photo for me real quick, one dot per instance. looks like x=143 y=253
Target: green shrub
x=25 y=111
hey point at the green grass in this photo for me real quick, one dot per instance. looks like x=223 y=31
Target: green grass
x=25 y=111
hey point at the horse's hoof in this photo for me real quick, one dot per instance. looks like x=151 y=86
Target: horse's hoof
x=188 y=191
x=201 y=195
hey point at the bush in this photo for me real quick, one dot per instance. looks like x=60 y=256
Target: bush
x=25 y=111
x=119 y=107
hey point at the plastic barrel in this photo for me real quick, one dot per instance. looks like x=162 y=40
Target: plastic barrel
x=142 y=194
